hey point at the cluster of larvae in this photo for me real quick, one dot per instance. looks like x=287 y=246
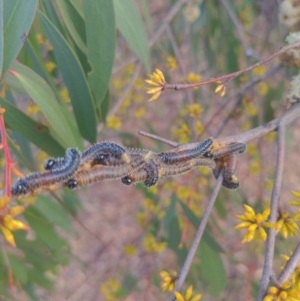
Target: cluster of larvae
x=109 y=160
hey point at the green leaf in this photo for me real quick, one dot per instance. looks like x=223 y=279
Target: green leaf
x=130 y=24
x=100 y=29
x=44 y=97
x=18 y=268
x=212 y=270
x=170 y=212
x=54 y=212
x=195 y=221
x=104 y=108
x=35 y=132
x=43 y=229
x=1 y=36
x=65 y=9
x=18 y=17
x=75 y=80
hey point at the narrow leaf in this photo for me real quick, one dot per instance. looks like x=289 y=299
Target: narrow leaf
x=64 y=8
x=75 y=80
x=130 y=24
x=18 y=17
x=100 y=28
x=212 y=270
x=35 y=132
x=44 y=97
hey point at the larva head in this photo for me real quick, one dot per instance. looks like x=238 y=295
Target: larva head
x=72 y=184
x=208 y=155
x=21 y=187
x=231 y=183
x=126 y=180
x=49 y=164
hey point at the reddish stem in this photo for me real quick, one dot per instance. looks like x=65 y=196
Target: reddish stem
x=8 y=161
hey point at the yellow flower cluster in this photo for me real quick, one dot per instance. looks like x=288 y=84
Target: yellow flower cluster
x=195 y=110
x=110 y=289
x=113 y=122
x=172 y=63
x=156 y=79
x=168 y=280
x=295 y=278
x=285 y=293
x=152 y=246
x=188 y=295
x=183 y=133
x=7 y=222
x=252 y=222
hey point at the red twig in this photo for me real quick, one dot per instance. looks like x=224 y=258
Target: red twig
x=8 y=161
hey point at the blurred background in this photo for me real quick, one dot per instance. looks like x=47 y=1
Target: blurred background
x=73 y=73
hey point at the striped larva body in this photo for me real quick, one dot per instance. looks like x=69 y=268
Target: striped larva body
x=40 y=181
x=165 y=170
x=100 y=173
x=219 y=151
x=103 y=153
x=185 y=152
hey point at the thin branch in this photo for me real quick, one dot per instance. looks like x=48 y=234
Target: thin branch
x=8 y=161
x=169 y=142
x=225 y=78
x=290 y=266
x=187 y=264
x=270 y=244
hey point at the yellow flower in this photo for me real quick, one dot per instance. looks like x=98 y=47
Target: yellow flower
x=110 y=289
x=183 y=133
x=250 y=109
x=50 y=66
x=253 y=222
x=260 y=70
x=39 y=38
x=172 y=63
x=7 y=222
x=139 y=83
x=252 y=149
x=285 y=293
x=64 y=93
x=286 y=223
x=199 y=128
x=140 y=113
x=194 y=77
x=141 y=218
x=188 y=295
x=156 y=79
x=130 y=250
x=113 y=122
x=183 y=192
x=195 y=110
x=152 y=246
x=221 y=88
x=262 y=89
x=295 y=202
x=254 y=167
x=270 y=137
x=32 y=109
x=168 y=281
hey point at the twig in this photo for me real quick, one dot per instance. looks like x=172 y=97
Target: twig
x=187 y=264
x=270 y=244
x=225 y=78
x=8 y=161
x=289 y=116
x=290 y=266
x=169 y=142
x=239 y=96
